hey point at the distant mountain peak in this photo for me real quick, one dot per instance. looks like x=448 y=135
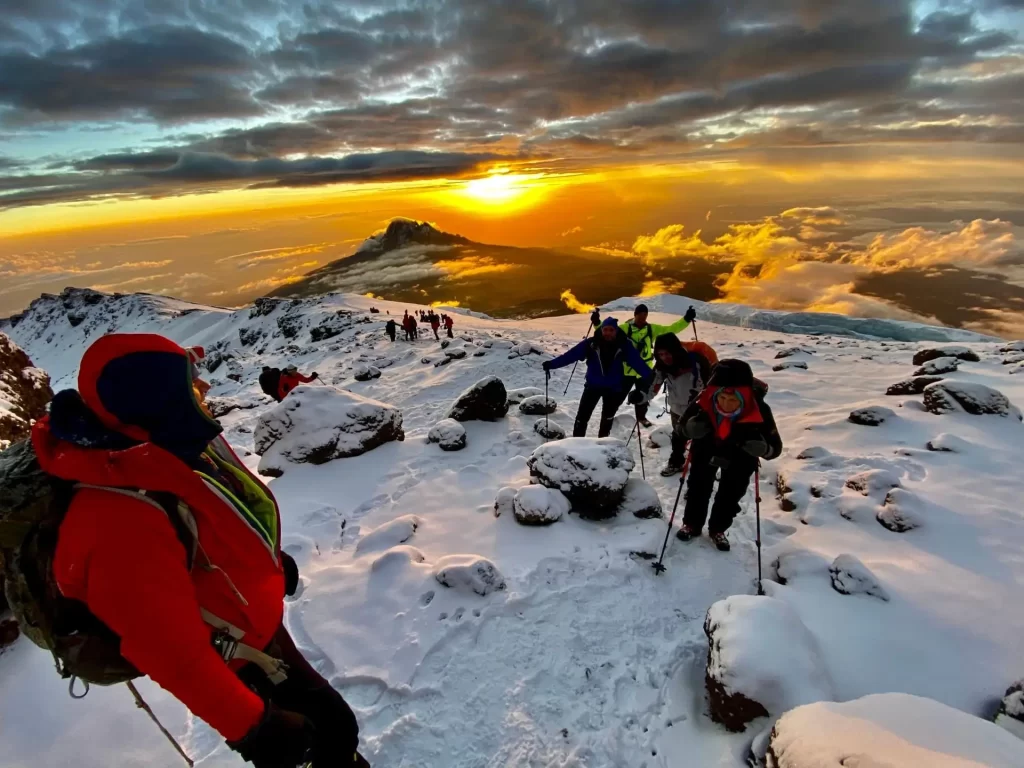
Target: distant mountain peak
x=404 y=232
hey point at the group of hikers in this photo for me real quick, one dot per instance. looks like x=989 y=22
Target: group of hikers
x=135 y=542
x=720 y=420
x=410 y=325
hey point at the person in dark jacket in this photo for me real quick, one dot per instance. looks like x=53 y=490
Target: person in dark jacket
x=605 y=353
x=391 y=329
x=680 y=373
x=732 y=429
x=448 y=324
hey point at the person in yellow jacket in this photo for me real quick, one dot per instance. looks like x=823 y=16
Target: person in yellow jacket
x=643 y=334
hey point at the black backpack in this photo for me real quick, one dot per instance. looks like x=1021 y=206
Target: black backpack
x=269 y=380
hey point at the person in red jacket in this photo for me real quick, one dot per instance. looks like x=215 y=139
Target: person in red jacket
x=138 y=422
x=448 y=323
x=290 y=379
x=435 y=323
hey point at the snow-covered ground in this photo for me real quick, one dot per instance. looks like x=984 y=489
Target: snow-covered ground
x=584 y=657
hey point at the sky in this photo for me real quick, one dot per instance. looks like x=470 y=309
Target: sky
x=858 y=156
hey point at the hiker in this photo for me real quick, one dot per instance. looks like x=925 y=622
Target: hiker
x=732 y=429
x=605 y=354
x=270 y=380
x=413 y=328
x=290 y=379
x=391 y=329
x=435 y=324
x=683 y=374
x=643 y=334
x=448 y=323
x=405 y=326
x=175 y=546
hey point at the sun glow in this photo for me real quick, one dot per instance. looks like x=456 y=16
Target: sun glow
x=499 y=192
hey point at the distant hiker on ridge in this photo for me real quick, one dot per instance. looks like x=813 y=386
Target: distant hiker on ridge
x=732 y=429
x=643 y=334
x=605 y=353
x=171 y=549
x=290 y=379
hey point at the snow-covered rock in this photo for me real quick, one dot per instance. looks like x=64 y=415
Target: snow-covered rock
x=851 y=577
x=366 y=372
x=1013 y=346
x=539 y=505
x=486 y=400
x=449 y=434
x=391 y=534
x=782 y=354
x=762 y=661
x=591 y=472
x=976 y=399
x=222 y=406
x=660 y=437
x=813 y=453
x=1013 y=358
x=504 y=501
x=947 y=443
x=538 y=405
x=24 y=392
x=901 y=512
x=469 y=574
x=873 y=481
x=455 y=353
x=872 y=416
x=914 y=386
x=314 y=425
x=524 y=349
x=516 y=396
x=951 y=350
x=640 y=499
x=888 y=730
x=790 y=365
x=548 y=429
x=1011 y=710
x=938 y=366
x=797 y=563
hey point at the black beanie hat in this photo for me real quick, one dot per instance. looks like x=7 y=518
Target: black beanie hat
x=731 y=373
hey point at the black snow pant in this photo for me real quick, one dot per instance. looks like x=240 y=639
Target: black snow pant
x=678 y=455
x=732 y=486
x=435 y=333
x=391 y=335
x=308 y=693
x=450 y=334
x=611 y=400
x=637 y=384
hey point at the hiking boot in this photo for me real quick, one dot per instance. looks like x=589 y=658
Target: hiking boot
x=646 y=423
x=720 y=540
x=685 y=532
x=671 y=469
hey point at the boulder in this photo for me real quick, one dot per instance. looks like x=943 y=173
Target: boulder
x=762 y=661
x=538 y=505
x=538 y=405
x=851 y=577
x=516 y=396
x=914 y=386
x=951 y=350
x=901 y=511
x=548 y=429
x=798 y=563
x=976 y=399
x=640 y=500
x=888 y=730
x=659 y=437
x=1011 y=710
x=443 y=361
x=455 y=353
x=872 y=416
x=947 y=443
x=792 y=351
x=790 y=365
x=24 y=392
x=366 y=372
x=937 y=366
x=591 y=472
x=1014 y=358
x=486 y=400
x=449 y=434
x=469 y=573
x=504 y=501
x=1013 y=346
x=523 y=350
x=314 y=425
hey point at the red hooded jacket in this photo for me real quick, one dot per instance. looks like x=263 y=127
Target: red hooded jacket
x=122 y=557
x=290 y=381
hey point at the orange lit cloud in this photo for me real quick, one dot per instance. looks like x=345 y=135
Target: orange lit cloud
x=569 y=299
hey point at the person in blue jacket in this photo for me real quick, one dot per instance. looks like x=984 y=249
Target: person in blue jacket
x=605 y=353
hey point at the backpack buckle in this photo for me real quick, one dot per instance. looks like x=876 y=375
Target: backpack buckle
x=225 y=645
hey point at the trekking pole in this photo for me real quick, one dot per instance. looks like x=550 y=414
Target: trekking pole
x=694 y=326
x=757 y=513
x=141 y=704
x=573 y=373
x=547 y=378
x=640 y=442
x=658 y=567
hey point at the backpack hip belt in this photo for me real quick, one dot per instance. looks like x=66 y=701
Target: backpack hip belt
x=227 y=642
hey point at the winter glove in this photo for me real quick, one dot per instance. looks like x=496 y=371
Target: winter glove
x=636 y=397
x=315 y=375
x=691 y=315
x=281 y=739
x=698 y=427
x=756 y=447
x=546 y=365
x=291 y=574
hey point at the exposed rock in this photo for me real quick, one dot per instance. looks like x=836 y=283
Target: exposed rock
x=538 y=505
x=264 y=306
x=442 y=362
x=315 y=425
x=951 y=350
x=486 y=400
x=290 y=325
x=872 y=416
x=524 y=349
x=251 y=336
x=332 y=326
x=813 y=453
x=901 y=511
x=937 y=366
x=914 y=386
x=516 y=396
x=538 y=405
x=366 y=372
x=455 y=353
x=762 y=661
x=1014 y=358
x=222 y=406
x=504 y=501
x=469 y=573
x=851 y=577
x=976 y=399
x=790 y=365
x=640 y=500
x=449 y=434
x=1013 y=346
x=1011 y=710
x=24 y=392
x=591 y=472
x=791 y=351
